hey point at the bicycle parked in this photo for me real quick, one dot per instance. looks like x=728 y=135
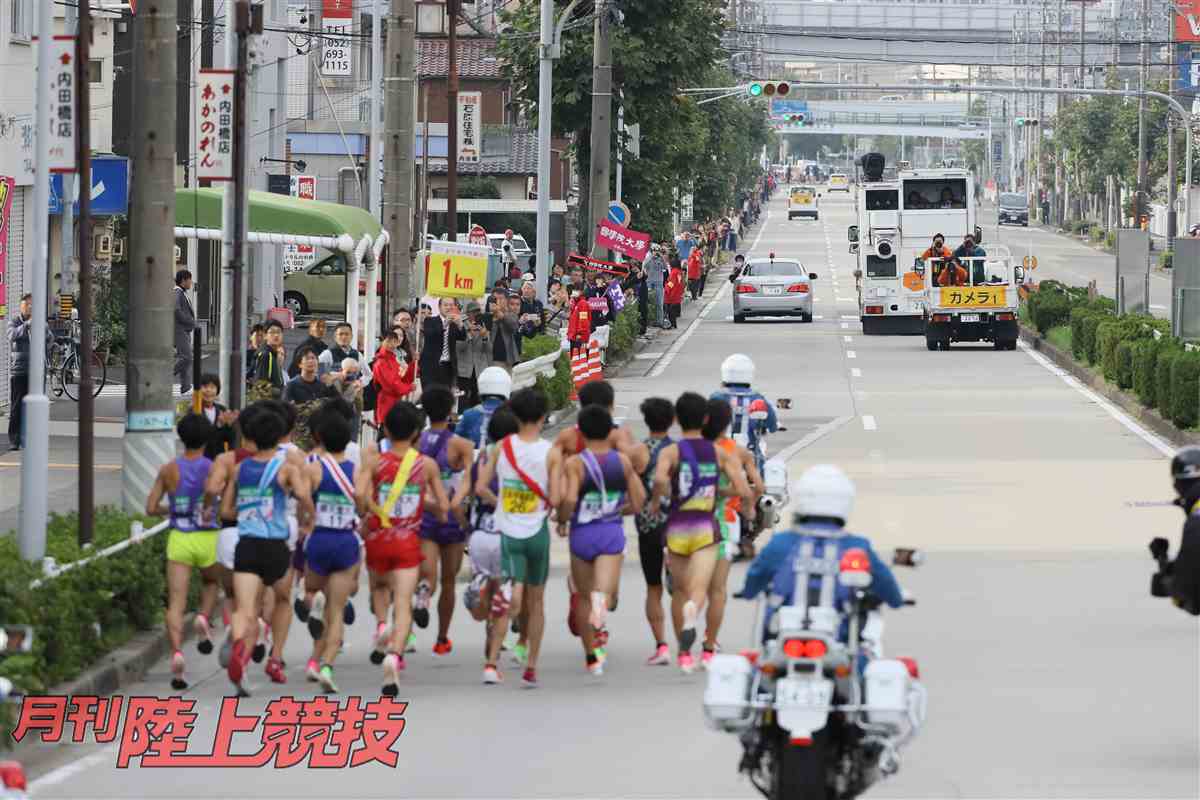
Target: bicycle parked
x=63 y=361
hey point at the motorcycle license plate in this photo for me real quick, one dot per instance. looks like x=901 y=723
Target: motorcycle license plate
x=773 y=290
x=969 y=318
x=803 y=695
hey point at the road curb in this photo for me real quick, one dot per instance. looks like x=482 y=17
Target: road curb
x=1096 y=382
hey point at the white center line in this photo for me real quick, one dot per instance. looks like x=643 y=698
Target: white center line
x=846 y=325
x=851 y=354
x=855 y=372
x=846 y=339
x=868 y=422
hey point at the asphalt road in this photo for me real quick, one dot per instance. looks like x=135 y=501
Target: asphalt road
x=1051 y=672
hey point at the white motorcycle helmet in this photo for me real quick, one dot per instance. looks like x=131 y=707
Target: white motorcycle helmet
x=495 y=382
x=738 y=368
x=824 y=491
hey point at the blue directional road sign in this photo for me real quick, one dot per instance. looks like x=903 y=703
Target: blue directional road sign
x=787 y=107
x=110 y=187
x=1188 y=80
x=618 y=214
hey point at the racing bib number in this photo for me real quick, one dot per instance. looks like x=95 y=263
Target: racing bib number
x=407 y=506
x=255 y=505
x=335 y=511
x=517 y=498
x=705 y=496
x=594 y=506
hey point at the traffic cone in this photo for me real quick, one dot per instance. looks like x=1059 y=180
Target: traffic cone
x=595 y=368
x=578 y=371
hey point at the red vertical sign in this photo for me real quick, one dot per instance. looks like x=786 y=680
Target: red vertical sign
x=7 y=188
x=1187 y=21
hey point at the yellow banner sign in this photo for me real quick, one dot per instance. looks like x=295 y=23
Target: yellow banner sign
x=973 y=297
x=457 y=270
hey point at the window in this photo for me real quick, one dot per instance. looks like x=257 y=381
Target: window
x=882 y=200
x=774 y=268
x=95 y=71
x=935 y=193
x=21 y=20
x=881 y=267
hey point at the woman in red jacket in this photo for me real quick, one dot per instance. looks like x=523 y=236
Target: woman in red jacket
x=673 y=293
x=395 y=380
x=695 y=272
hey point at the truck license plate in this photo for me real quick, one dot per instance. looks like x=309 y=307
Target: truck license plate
x=773 y=290
x=802 y=694
x=969 y=318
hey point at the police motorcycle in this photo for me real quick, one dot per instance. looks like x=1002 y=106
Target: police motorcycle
x=749 y=428
x=820 y=718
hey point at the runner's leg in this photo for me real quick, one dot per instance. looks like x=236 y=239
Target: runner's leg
x=178 y=577
x=451 y=563
x=581 y=579
x=281 y=615
x=717 y=597
x=337 y=589
x=534 y=601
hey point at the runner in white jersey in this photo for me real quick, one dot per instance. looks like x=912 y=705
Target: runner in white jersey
x=529 y=471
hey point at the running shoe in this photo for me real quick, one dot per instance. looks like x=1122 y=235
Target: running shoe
x=491 y=675
x=706 y=656
x=316 y=618
x=411 y=645
x=520 y=652
x=687 y=636
x=313 y=670
x=421 y=605
x=260 y=646
x=572 y=625
x=529 y=679
x=596 y=668
x=600 y=653
x=203 y=634
x=391 y=675
x=687 y=663
x=382 y=634
x=300 y=608
x=226 y=651
x=274 y=671
x=177 y=681
x=600 y=637
x=443 y=648
x=661 y=657
x=237 y=663
x=326 y=679
x=348 y=613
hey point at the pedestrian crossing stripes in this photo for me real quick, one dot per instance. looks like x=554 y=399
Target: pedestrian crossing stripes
x=120 y=390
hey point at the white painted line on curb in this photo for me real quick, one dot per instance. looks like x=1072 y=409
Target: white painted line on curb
x=648 y=356
x=868 y=423
x=795 y=447
x=63 y=773
x=667 y=358
x=851 y=354
x=1152 y=439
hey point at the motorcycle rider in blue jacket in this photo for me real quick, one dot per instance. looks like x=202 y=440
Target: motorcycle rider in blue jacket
x=824 y=497
x=737 y=375
x=495 y=386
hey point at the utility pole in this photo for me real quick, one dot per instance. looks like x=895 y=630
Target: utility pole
x=452 y=126
x=1082 y=42
x=242 y=29
x=230 y=337
x=374 y=171
x=1140 y=201
x=149 y=428
x=65 y=268
x=601 y=139
x=1059 y=212
x=401 y=146
x=83 y=157
x=1172 y=199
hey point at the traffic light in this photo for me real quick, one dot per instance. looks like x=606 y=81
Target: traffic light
x=1020 y=122
x=1026 y=122
x=768 y=89
x=797 y=119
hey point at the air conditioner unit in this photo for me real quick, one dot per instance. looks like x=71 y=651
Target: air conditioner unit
x=118 y=249
x=103 y=247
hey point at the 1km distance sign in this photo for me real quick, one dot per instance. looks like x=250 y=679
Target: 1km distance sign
x=456 y=269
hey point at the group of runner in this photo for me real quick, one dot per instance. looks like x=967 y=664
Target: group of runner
x=268 y=517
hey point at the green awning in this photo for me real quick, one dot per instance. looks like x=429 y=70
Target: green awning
x=277 y=213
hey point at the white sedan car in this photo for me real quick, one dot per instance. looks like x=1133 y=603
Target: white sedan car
x=773 y=287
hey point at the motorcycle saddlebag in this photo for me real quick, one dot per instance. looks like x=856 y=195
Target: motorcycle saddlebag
x=727 y=694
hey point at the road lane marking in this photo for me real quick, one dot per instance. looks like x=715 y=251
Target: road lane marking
x=855 y=372
x=846 y=339
x=795 y=447
x=69 y=771
x=868 y=422
x=846 y=326
x=1120 y=416
x=669 y=356
x=851 y=354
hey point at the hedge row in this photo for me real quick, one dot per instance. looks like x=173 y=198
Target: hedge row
x=1125 y=349
x=79 y=616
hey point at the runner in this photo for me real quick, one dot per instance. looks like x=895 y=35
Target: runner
x=688 y=471
x=529 y=471
x=483 y=597
x=394 y=490
x=659 y=415
x=192 y=542
x=441 y=542
x=332 y=551
x=601 y=486
x=263 y=484
x=728 y=521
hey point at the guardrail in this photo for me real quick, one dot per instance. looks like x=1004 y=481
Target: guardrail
x=526 y=373
x=137 y=533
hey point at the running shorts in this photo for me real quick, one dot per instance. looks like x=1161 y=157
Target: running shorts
x=227 y=546
x=194 y=548
x=650 y=551
x=389 y=553
x=686 y=537
x=269 y=559
x=731 y=535
x=326 y=552
x=599 y=539
x=526 y=560
x=484 y=552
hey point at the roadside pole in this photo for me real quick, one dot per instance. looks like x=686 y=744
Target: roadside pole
x=370 y=321
x=230 y=338
x=83 y=150
x=35 y=463
x=67 y=239
x=150 y=416
x=401 y=145
x=1172 y=178
x=601 y=134
x=452 y=123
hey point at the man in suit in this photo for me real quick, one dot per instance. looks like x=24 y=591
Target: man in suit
x=439 y=346
x=185 y=324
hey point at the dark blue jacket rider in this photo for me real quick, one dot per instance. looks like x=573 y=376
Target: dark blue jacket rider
x=740 y=397
x=774 y=568
x=472 y=426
